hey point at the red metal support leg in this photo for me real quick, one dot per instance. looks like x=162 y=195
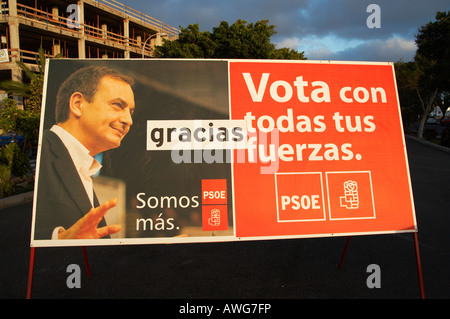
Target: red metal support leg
x=344 y=253
x=30 y=273
x=86 y=262
x=419 y=266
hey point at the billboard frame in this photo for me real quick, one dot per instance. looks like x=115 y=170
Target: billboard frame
x=214 y=239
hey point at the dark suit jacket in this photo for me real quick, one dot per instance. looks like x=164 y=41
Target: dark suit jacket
x=61 y=197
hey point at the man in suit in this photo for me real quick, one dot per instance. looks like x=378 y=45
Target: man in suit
x=94 y=108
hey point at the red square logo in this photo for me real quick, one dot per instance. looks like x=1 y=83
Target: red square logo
x=214 y=192
x=350 y=195
x=215 y=217
x=299 y=197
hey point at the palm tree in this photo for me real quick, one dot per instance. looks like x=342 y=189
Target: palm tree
x=31 y=92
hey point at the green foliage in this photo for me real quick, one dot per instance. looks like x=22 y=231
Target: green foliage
x=433 y=50
x=421 y=81
x=23 y=122
x=32 y=91
x=192 y=43
x=287 y=54
x=8 y=114
x=13 y=162
x=241 y=40
x=6 y=160
x=35 y=99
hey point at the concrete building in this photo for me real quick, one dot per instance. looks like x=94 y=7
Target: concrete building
x=74 y=29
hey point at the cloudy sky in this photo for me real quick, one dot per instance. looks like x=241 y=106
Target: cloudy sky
x=324 y=29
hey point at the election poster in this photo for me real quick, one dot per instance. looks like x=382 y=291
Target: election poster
x=181 y=151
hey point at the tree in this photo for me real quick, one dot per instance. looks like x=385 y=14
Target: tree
x=14 y=162
x=433 y=45
x=191 y=43
x=32 y=91
x=428 y=74
x=26 y=121
x=241 y=40
x=407 y=84
x=19 y=122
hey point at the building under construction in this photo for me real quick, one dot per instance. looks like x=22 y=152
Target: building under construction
x=75 y=29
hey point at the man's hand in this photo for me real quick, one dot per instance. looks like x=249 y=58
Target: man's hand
x=86 y=227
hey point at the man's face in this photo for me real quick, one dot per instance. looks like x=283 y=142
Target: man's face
x=107 y=119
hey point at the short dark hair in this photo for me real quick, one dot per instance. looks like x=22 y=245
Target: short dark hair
x=85 y=81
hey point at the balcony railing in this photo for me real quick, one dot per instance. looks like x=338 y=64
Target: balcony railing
x=44 y=17
x=145 y=19
x=26 y=56
x=46 y=20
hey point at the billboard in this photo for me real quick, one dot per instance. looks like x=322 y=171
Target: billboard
x=179 y=151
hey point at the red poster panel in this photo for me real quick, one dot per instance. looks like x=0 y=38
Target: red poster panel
x=326 y=153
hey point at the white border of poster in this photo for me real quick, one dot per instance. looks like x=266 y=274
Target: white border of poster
x=186 y=122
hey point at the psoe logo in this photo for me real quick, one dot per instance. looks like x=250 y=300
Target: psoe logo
x=214 y=220
x=351 y=198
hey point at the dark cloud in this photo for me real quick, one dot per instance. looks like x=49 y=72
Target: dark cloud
x=299 y=20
